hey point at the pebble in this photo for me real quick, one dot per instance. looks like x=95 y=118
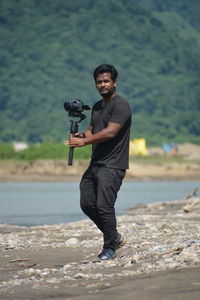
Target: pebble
x=73 y=242
x=81 y=276
x=188 y=256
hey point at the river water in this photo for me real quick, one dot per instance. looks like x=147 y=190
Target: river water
x=55 y=203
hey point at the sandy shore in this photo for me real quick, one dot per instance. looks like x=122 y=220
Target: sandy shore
x=54 y=170
x=160 y=258
x=58 y=170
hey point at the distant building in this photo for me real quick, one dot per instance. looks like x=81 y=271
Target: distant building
x=170 y=148
x=19 y=146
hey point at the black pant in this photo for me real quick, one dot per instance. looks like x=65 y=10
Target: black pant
x=99 y=187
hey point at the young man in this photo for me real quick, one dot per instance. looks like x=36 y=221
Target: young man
x=109 y=133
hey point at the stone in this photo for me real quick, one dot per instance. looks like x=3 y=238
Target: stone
x=81 y=276
x=73 y=242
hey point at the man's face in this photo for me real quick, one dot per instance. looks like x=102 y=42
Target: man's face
x=105 y=85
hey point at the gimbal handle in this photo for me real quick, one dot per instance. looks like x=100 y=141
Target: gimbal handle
x=73 y=131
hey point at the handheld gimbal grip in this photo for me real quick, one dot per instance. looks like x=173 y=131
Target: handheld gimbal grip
x=71 y=154
x=73 y=130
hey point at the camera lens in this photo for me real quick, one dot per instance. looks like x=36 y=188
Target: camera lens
x=67 y=106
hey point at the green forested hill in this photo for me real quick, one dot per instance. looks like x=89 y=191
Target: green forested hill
x=187 y=9
x=48 y=50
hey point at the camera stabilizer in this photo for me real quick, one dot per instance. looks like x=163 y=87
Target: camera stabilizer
x=75 y=109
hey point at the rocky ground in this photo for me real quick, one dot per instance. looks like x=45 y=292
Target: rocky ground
x=160 y=258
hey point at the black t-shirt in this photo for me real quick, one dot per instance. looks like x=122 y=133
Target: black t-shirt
x=113 y=153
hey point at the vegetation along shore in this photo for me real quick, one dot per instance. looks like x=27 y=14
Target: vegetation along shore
x=31 y=165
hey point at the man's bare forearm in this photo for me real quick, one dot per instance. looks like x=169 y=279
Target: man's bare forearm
x=99 y=137
x=103 y=135
x=88 y=132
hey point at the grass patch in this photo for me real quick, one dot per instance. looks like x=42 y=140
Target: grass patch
x=43 y=151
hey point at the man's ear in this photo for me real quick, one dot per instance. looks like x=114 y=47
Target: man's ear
x=115 y=83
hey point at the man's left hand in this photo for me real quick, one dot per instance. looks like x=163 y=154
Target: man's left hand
x=76 y=142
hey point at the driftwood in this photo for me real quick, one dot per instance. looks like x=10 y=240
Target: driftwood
x=19 y=260
x=187 y=208
x=193 y=193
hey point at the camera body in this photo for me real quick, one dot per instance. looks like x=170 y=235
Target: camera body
x=75 y=108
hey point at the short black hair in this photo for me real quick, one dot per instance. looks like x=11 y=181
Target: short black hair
x=105 y=68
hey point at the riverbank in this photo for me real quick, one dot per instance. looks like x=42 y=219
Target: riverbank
x=58 y=170
x=160 y=258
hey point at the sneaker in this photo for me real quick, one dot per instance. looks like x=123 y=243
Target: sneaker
x=107 y=253
x=119 y=242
